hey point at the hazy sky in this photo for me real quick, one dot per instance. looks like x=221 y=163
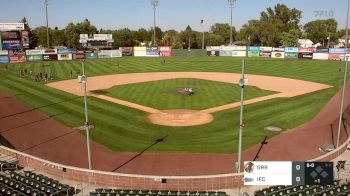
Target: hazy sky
x=170 y=14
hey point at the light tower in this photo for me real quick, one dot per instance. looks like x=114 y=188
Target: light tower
x=154 y=5
x=232 y=5
x=47 y=26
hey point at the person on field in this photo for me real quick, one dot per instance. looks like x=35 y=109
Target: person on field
x=71 y=73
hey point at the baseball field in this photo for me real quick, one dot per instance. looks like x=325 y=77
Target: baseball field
x=128 y=129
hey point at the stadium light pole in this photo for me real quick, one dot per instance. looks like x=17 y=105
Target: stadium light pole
x=231 y=4
x=154 y=5
x=47 y=26
x=202 y=25
x=87 y=126
x=242 y=83
x=346 y=58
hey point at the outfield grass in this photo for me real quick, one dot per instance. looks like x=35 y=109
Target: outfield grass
x=164 y=94
x=125 y=129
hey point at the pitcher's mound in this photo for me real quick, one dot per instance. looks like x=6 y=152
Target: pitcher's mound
x=180 y=118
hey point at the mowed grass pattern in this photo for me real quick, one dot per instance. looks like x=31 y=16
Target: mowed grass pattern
x=165 y=94
x=125 y=129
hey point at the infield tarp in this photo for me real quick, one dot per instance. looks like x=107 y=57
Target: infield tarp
x=37 y=57
x=4 y=59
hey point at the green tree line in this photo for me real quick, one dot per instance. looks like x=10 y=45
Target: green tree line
x=277 y=26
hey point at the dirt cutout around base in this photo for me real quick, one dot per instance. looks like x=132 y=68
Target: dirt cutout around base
x=285 y=87
x=180 y=118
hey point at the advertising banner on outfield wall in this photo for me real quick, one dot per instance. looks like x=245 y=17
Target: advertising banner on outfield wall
x=213 y=48
x=109 y=54
x=4 y=52
x=50 y=51
x=65 y=57
x=17 y=59
x=337 y=50
x=321 y=50
x=11 y=44
x=4 y=59
x=34 y=52
x=127 y=51
x=277 y=55
x=65 y=51
x=37 y=57
x=320 y=56
x=25 y=39
x=17 y=52
x=253 y=48
x=253 y=53
x=91 y=55
x=265 y=54
x=277 y=49
x=213 y=53
x=152 y=51
x=165 y=50
x=79 y=55
x=265 y=49
x=50 y=57
x=0 y=42
x=336 y=57
x=291 y=50
x=305 y=55
x=239 y=53
x=239 y=48
x=140 y=51
x=291 y=55
x=225 y=53
x=11 y=35
x=306 y=50
x=11 y=26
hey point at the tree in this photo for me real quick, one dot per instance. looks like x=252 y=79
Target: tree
x=273 y=22
x=159 y=34
x=33 y=39
x=290 y=39
x=72 y=32
x=224 y=30
x=41 y=34
x=142 y=35
x=172 y=38
x=57 y=37
x=123 y=37
x=318 y=30
x=249 y=33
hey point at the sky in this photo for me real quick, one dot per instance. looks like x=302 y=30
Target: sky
x=170 y=14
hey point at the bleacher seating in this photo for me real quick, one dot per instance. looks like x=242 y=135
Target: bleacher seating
x=121 y=192
x=314 y=190
x=29 y=183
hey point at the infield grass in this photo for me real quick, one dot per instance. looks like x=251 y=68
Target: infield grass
x=166 y=94
x=126 y=129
